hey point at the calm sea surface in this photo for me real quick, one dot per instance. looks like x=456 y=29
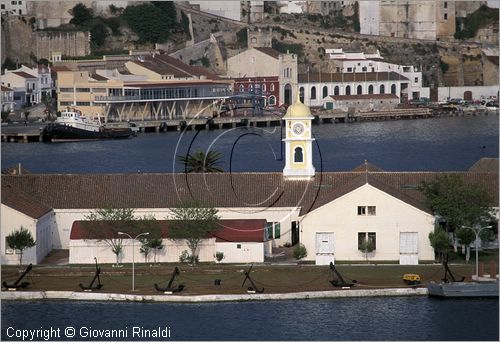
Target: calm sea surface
x=439 y=144
x=393 y=318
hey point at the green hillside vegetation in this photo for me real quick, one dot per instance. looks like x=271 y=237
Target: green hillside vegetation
x=482 y=17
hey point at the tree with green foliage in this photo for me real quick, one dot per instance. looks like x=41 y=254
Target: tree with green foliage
x=199 y=162
x=185 y=24
x=440 y=241
x=458 y=203
x=193 y=222
x=20 y=240
x=152 y=22
x=155 y=244
x=466 y=237
x=104 y=224
x=81 y=14
x=366 y=248
x=98 y=34
x=482 y=17
x=299 y=251
x=242 y=37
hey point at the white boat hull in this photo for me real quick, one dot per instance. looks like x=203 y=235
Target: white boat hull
x=463 y=289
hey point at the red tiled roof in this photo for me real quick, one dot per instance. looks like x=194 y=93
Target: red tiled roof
x=17 y=200
x=351 y=77
x=176 y=83
x=269 y=51
x=166 y=65
x=367 y=167
x=485 y=165
x=98 y=77
x=364 y=97
x=229 y=231
x=223 y=190
x=24 y=74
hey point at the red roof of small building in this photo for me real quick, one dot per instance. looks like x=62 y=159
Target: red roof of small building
x=4 y=88
x=24 y=74
x=230 y=230
x=269 y=51
x=364 y=97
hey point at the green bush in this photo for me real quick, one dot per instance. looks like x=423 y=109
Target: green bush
x=299 y=251
x=152 y=23
x=187 y=258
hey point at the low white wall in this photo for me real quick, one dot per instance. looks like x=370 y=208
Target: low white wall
x=248 y=251
x=84 y=251
x=478 y=92
x=12 y=220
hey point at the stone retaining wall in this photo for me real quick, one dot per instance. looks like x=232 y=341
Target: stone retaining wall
x=95 y=296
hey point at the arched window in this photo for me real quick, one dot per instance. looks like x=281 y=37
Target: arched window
x=348 y=90
x=271 y=87
x=393 y=89
x=263 y=87
x=301 y=92
x=370 y=89
x=250 y=87
x=359 y=90
x=382 y=89
x=336 y=90
x=242 y=88
x=272 y=100
x=298 y=155
x=313 y=93
x=325 y=91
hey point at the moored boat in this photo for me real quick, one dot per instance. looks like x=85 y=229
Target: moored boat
x=72 y=126
x=463 y=289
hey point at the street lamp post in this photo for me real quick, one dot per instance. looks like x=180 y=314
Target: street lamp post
x=133 y=255
x=477 y=231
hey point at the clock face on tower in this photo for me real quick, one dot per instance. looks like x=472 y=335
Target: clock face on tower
x=298 y=128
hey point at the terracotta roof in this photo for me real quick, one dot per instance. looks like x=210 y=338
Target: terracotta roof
x=166 y=65
x=90 y=191
x=98 y=77
x=364 y=97
x=229 y=231
x=485 y=165
x=175 y=83
x=4 y=88
x=367 y=167
x=57 y=68
x=269 y=51
x=24 y=74
x=26 y=204
x=338 y=77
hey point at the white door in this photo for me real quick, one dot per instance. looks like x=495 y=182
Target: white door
x=324 y=248
x=408 y=248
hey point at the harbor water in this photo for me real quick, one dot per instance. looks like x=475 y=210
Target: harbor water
x=438 y=144
x=392 y=318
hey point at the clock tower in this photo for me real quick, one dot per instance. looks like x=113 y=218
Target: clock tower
x=298 y=142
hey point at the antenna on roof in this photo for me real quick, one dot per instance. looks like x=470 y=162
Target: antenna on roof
x=366 y=171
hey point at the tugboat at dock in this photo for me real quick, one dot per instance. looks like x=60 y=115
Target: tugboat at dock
x=73 y=126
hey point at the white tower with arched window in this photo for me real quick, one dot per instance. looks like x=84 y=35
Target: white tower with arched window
x=298 y=142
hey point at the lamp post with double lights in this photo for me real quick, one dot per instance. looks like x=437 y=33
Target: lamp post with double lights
x=477 y=230
x=133 y=255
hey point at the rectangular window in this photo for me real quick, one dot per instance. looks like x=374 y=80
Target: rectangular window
x=83 y=90
x=349 y=69
x=66 y=90
x=416 y=79
x=373 y=238
x=238 y=246
x=445 y=4
x=361 y=210
x=277 y=230
x=2 y=6
x=269 y=230
x=372 y=210
x=66 y=103
x=446 y=16
x=363 y=236
x=83 y=103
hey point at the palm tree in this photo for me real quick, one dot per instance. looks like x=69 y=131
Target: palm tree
x=200 y=162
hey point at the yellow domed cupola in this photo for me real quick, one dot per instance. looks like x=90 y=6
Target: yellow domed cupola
x=298 y=142
x=298 y=110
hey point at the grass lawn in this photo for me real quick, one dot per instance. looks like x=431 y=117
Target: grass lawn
x=200 y=279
